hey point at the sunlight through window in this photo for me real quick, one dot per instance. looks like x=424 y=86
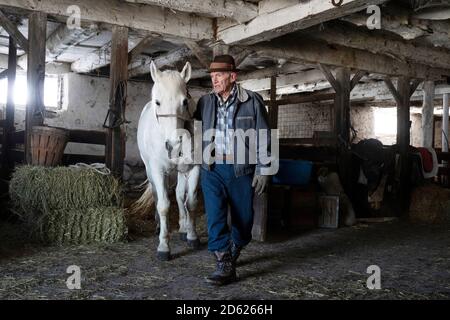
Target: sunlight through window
x=385 y=121
x=20 y=91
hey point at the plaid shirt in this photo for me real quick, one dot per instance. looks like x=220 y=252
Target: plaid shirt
x=224 y=123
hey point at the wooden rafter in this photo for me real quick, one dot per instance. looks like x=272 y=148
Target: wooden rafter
x=12 y=30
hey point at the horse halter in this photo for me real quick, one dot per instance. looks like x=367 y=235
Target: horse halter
x=190 y=117
x=174 y=115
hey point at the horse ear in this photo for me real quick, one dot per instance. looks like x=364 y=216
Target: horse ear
x=186 y=72
x=154 y=71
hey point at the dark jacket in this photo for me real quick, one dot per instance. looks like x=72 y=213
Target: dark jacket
x=249 y=113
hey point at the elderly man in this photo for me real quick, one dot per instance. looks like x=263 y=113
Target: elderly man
x=225 y=182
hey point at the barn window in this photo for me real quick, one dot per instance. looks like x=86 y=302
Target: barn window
x=385 y=121
x=52 y=92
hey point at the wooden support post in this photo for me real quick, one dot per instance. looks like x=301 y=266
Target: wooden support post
x=260 y=208
x=342 y=124
x=115 y=145
x=260 y=203
x=428 y=114
x=403 y=115
x=12 y=67
x=402 y=96
x=342 y=104
x=445 y=115
x=10 y=107
x=37 y=33
x=433 y=142
x=342 y=85
x=403 y=139
x=273 y=107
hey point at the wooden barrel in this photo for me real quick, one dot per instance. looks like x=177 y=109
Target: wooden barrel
x=47 y=145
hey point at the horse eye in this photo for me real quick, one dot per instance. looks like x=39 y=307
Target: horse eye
x=157 y=103
x=185 y=102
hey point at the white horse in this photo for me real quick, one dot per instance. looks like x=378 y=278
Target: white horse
x=161 y=146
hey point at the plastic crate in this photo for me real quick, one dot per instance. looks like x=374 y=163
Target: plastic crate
x=293 y=173
x=329 y=217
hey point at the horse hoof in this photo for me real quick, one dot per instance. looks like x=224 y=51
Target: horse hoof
x=194 y=244
x=163 y=255
x=183 y=236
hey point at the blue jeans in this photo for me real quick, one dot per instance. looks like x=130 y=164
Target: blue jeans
x=221 y=188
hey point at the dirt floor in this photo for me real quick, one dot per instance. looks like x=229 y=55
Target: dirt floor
x=316 y=264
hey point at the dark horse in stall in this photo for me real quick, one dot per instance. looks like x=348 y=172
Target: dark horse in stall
x=375 y=175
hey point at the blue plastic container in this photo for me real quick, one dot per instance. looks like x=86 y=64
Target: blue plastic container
x=293 y=172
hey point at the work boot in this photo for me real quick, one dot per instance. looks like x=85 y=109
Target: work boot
x=225 y=272
x=235 y=252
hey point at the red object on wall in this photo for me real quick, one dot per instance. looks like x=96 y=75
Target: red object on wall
x=427 y=159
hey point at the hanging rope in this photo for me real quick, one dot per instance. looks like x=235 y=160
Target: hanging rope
x=97 y=167
x=118 y=113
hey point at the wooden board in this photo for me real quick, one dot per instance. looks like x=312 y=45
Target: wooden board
x=260 y=208
x=35 y=76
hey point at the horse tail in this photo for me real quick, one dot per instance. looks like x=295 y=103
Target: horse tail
x=143 y=204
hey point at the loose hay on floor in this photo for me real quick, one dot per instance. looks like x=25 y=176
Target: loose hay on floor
x=65 y=205
x=321 y=264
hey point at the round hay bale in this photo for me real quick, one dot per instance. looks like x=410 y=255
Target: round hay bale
x=430 y=203
x=92 y=225
x=65 y=205
x=43 y=188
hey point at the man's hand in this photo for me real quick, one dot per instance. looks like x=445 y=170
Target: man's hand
x=260 y=183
